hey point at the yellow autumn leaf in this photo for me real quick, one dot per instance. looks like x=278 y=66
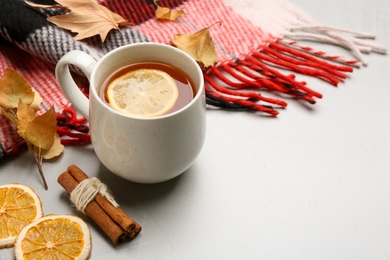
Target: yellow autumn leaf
x=19 y=103
x=9 y=115
x=165 y=13
x=55 y=150
x=37 y=100
x=14 y=88
x=41 y=130
x=25 y=114
x=87 y=18
x=198 y=45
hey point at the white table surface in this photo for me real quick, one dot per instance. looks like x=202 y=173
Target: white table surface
x=313 y=183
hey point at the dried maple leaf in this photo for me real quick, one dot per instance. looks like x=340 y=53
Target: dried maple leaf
x=14 y=87
x=165 y=13
x=198 y=45
x=87 y=18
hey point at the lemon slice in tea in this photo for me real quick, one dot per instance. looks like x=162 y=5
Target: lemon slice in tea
x=143 y=92
x=19 y=206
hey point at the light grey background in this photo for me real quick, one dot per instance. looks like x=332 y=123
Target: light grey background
x=313 y=183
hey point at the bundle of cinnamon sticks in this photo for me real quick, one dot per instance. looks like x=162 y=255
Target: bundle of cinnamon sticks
x=113 y=221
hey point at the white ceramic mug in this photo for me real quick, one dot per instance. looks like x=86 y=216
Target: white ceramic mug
x=145 y=150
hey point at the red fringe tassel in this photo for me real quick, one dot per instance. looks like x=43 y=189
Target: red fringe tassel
x=72 y=130
x=236 y=84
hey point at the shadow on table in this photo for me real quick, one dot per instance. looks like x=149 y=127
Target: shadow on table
x=126 y=192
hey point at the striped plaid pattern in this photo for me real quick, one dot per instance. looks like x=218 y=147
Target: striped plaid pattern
x=249 y=56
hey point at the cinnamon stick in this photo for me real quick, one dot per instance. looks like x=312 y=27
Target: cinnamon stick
x=116 y=213
x=112 y=220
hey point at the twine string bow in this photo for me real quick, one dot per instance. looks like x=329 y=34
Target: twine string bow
x=87 y=190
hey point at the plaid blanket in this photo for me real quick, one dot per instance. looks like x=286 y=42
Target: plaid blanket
x=248 y=75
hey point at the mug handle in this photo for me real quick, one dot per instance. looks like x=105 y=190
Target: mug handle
x=87 y=64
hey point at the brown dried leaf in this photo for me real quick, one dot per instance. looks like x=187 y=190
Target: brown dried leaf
x=14 y=88
x=165 y=13
x=41 y=130
x=198 y=45
x=9 y=114
x=87 y=19
x=19 y=103
x=37 y=100
x=55 y=150
x=25 y=114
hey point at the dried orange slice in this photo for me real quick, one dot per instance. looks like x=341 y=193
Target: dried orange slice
x=143 y=92
x=54 y=237
x=19 y=206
